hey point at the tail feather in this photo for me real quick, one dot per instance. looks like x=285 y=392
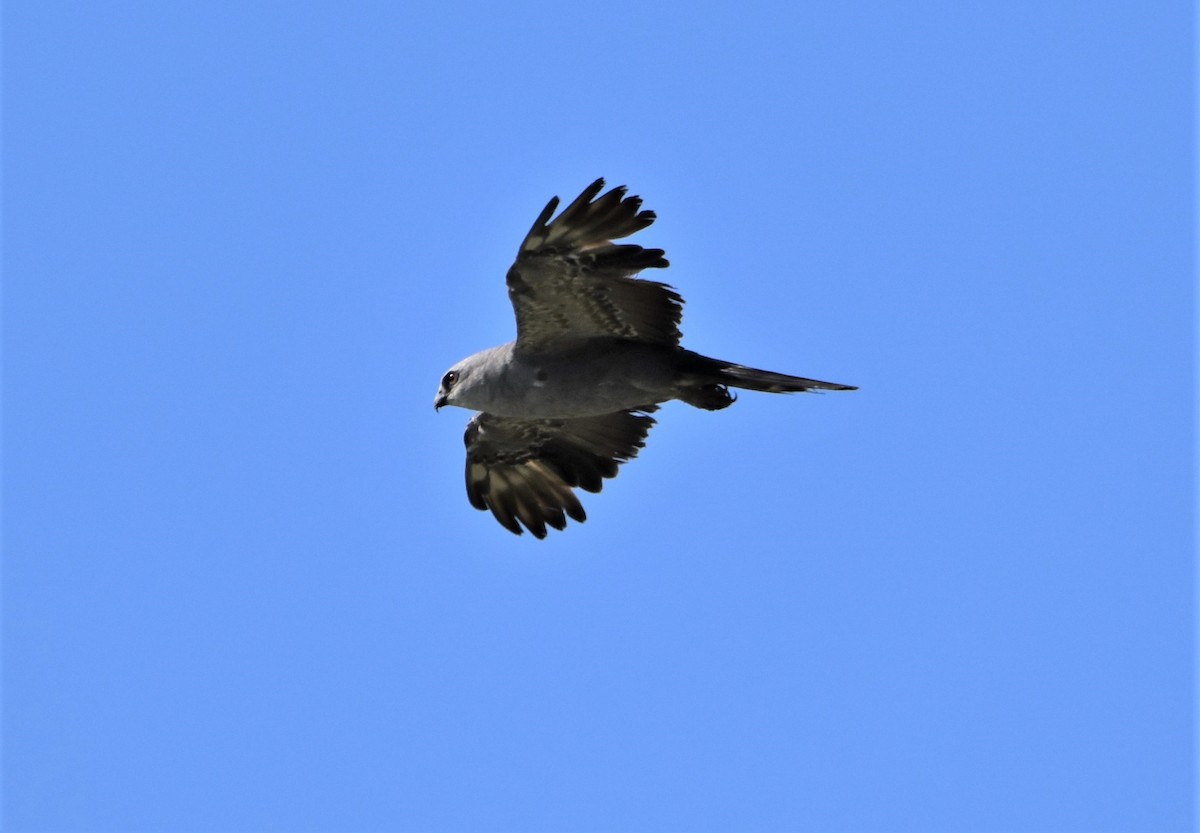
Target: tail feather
x=735 y=375
x=708 y=382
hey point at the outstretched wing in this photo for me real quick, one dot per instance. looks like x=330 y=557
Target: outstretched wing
x=571 y=281
x=524 y=470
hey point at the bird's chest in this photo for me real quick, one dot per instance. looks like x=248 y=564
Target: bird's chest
x=563 y=388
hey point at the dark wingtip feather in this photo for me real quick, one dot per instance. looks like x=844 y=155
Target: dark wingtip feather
x=576 y=512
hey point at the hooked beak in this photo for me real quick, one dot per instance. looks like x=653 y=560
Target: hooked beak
x=439 y=402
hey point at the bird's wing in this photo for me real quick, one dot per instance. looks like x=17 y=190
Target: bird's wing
x=571 y=281
x=523 y=470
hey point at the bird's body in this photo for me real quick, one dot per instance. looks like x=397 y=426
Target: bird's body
x=597 y=350
x=588 y=377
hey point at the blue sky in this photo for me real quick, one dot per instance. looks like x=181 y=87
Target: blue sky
x=243 y=588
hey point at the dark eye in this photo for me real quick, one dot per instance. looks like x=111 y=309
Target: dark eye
x=449 y=379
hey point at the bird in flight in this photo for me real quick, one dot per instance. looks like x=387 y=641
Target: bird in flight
x=597 y=351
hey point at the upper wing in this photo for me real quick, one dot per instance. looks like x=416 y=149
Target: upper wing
x=571 y=281
x=524 y=469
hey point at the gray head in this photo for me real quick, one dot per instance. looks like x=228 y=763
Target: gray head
x=476 y=381
x=448 y=390
x=464 y=385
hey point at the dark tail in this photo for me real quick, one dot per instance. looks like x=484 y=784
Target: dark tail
x=707 y=382
x=735 y=375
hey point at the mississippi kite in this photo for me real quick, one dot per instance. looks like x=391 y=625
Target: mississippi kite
x=597 y=351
